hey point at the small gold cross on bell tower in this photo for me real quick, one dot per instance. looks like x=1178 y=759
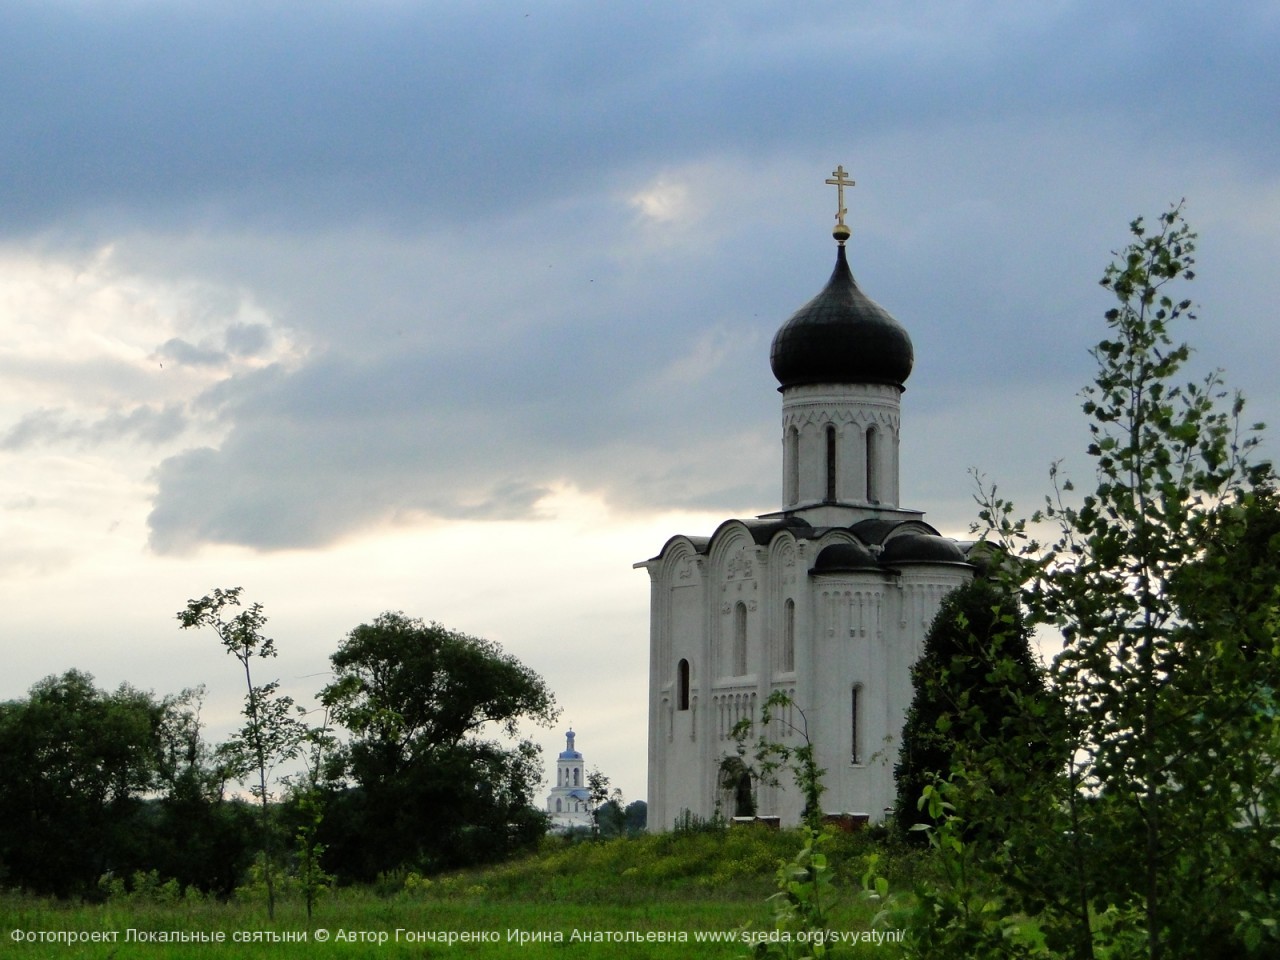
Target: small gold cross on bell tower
x=840 y=179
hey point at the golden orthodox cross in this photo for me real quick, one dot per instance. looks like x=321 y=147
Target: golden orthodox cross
x=840 y=179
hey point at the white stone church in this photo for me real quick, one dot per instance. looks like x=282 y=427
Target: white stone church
x=827 y=599
x=569 y=803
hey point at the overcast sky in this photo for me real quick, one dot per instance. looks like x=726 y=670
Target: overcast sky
x=461 y=309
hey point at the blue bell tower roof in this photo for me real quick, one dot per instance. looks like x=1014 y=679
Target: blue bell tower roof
x=569 y=753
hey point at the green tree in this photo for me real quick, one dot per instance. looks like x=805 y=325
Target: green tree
x=309 y=792
x=636 y=817
x=271 y=733
x=418 y=699
x=77 y=763
x=597 y=796
x=187 y=766
x=193 y=833
x=608 y=810
x=769 y=756
x=978 y=690
x=806 y=888
x=1169 y=664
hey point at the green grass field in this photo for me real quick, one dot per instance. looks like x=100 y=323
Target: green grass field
x=668 y=895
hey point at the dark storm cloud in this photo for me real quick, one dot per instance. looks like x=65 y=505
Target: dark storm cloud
x=409 y=113
x=651 y=386
x=340 y=443
x=430 y=201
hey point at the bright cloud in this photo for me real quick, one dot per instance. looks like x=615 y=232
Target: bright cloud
x=664 y=201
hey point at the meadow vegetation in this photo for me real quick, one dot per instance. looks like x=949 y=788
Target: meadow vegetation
x=710 y=880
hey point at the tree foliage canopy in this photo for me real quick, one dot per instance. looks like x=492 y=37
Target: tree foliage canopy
x=100 y=786
x=1163 y=582
x=978 y=687
x=99 y=781
x=408 y=689
x=271 y=733
x=76 y=761
x=418 y=699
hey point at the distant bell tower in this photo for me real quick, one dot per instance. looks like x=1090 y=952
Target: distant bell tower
x=569 y=803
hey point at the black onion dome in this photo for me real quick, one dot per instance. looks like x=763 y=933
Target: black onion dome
x=920 y=548
x=841 y=336
x=841 y=557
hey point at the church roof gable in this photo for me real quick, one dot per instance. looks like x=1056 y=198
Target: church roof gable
x=762 y=532
x=868 y=544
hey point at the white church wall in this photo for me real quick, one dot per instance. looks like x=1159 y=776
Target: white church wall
x=849 y=654
x=681 y=637
x=851 y=631
x=751 y=619
x=782 y=563
x=855 y=411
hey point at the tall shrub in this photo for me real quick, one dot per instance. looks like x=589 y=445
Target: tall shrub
x=1161 y=831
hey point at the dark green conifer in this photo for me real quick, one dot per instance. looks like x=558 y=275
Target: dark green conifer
x=979 y=692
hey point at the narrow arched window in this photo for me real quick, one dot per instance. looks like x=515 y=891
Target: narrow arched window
x=831 y=462
x=873 y=493
x=558 y=810
x=789 y=636
x=682 y=685
x=791 y=456
x=855 y=723
x=740 y=640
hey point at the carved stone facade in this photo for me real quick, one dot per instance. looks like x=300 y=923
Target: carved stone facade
x=827 y=600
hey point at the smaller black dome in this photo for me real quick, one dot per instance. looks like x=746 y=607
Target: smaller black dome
x=920 y=548
x=839 y=557
x=841 y=336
